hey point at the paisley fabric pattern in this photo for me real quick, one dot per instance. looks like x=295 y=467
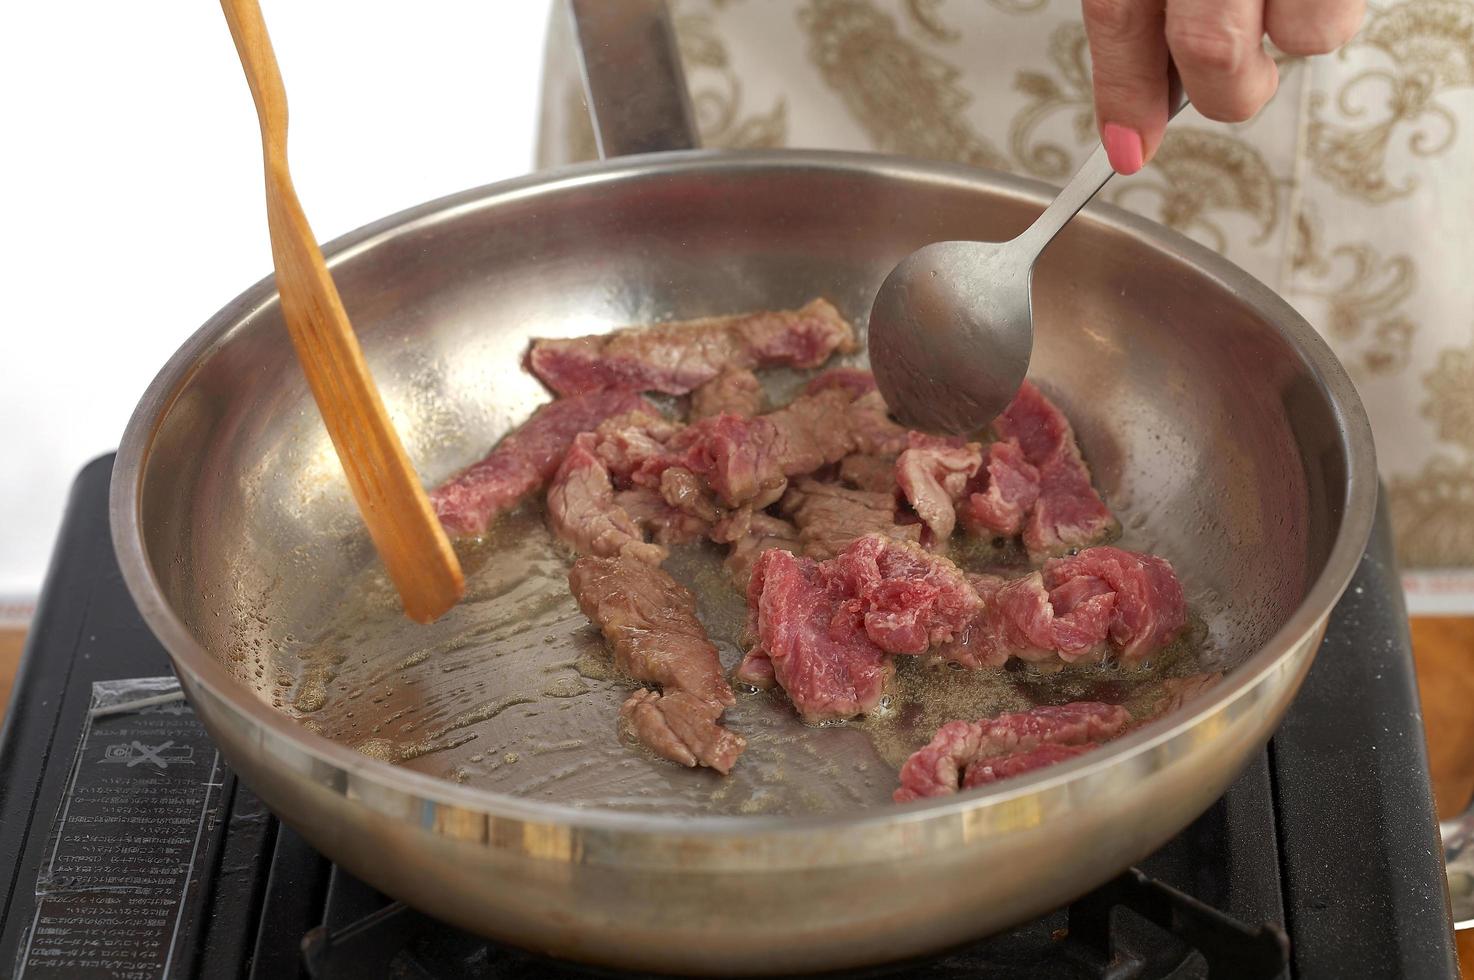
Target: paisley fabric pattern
x=1351 y=194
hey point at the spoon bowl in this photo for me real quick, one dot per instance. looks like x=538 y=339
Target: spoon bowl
x=952 y=327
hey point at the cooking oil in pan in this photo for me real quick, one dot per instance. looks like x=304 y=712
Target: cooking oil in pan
x=514 y=691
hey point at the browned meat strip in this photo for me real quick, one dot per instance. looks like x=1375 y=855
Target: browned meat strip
x=678 y=357
x=682 y=728
x=657 y=519
x=829 y=517
x=736 y=392
x=876 y=474
x=583 y=511
x=649 y=621
x=874 y=432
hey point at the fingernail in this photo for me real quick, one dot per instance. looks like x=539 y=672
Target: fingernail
x=1123 y=146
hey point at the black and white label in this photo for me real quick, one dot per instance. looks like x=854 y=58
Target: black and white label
x=143 y=797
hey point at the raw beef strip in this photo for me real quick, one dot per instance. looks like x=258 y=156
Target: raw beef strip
x=870 y=425
x=649 y=621
x=1078 y=608
x=583 y=512
x=909 y=598
x=1002 y=493
x=857 y=381
x=678 y=357
x=825 y=662
x=939 y=769
x=876 y=474
x=986 y=771
x=933 y=474
x=829 y=517
x=524 y=460
x=736 y=392
x=1018 y=620
x=682 y=728
x=1149 y=609
x=1068 y=513
x=760 y=533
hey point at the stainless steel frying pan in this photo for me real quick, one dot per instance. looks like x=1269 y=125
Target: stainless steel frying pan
x=470 y=768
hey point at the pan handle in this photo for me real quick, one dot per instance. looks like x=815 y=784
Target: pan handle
x=632 y=77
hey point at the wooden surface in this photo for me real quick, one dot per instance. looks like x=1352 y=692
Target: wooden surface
x=1444 y=649
x=11 y=643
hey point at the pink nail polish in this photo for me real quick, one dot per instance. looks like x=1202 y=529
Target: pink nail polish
x=1123 y=146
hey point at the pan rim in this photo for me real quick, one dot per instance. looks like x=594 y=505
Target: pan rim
x=425 y=793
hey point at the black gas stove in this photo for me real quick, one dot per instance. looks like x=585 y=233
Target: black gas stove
x=130 y=850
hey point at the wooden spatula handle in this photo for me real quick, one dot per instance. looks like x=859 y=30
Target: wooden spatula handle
x=409 y=538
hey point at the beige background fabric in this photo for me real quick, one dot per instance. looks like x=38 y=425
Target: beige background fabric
x=1352 y=193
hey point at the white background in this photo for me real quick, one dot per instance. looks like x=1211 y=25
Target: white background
x=133 y=189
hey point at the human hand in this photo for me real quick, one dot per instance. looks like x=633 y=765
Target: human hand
x=1217 y=46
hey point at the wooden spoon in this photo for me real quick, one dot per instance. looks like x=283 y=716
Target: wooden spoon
x=410 y=541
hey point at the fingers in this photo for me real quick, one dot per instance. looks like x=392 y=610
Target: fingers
x=1128 y=54
x=1219 y=51
x=1307 y=27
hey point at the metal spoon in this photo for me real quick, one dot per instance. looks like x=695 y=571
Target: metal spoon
x=952 y=328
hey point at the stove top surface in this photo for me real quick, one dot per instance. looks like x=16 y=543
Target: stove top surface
x=130 y=849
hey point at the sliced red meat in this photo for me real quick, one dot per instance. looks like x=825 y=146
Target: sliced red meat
x=525 y=460
x=1002 y=493
x=1101 y=600
x=1149 y=609
x=857 y=381
x=933 y=474
x=678 y=357
x=633 y=447
x=830 y=517
x=682 y=728
x=940 y=768
x=748 y=460
x=908 y=598
x=583 y=512
x=1083 y=610
x=1068 y=512
x=736 y=392
x=986 y=771
x=650 y=624
x=825 y=662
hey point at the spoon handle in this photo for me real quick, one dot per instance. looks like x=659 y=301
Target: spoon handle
x=1088 y=180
